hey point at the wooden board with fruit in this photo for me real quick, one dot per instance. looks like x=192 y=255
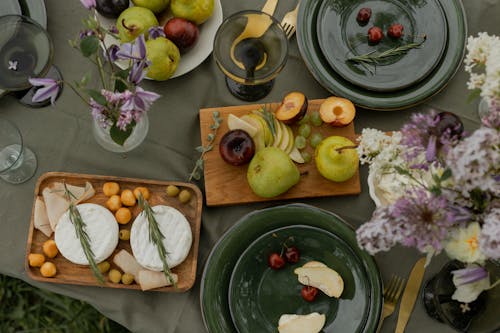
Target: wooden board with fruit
x=228 y=184
x=49 y=259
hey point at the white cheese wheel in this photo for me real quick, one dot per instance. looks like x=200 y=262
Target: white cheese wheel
x=100 y=226
x=178 y=238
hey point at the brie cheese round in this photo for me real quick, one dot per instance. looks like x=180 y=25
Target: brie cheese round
x=178 y=238
x=100 y=226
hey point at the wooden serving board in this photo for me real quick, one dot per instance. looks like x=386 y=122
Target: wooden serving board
x=69 y=273
x=227 y=185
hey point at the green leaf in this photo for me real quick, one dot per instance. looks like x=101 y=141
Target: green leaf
x=475 y=93
x=200 y=149
x=85 y=79
x=120 y=136
x=97 y=96
x=89 y=45
x=446 y=174
x=210 y=137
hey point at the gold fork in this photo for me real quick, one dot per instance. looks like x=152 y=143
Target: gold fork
x=392 y=294
x=289 y=22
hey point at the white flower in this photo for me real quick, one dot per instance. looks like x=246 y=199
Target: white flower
x=463 y=244
x=467 y=292
x=372 y=142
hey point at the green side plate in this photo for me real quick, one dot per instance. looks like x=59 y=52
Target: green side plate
x=417 y=93
x=240 y=258
x=340 y=37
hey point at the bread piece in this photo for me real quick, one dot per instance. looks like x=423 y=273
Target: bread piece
x=292 y=323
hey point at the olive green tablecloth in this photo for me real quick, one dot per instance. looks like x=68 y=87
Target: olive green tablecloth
x=62 y=139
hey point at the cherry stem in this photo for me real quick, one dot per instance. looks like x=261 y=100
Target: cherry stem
x=346 y=147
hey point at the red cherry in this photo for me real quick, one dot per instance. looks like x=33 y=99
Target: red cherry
x=395 y=30
x=292 y=254
x=309 y=293
x=375 y=35
x=275 y=261
x=364 y=15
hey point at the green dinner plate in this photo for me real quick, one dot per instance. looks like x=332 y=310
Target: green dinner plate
x=396 y=100
x=259 y=295
x=340 y=37
x=363 y=283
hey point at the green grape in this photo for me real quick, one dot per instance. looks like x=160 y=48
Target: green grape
x=306 y=156
x=316 y=119
x=315 y=139
x=300 y=142
x=304 y=120
x=305 y=130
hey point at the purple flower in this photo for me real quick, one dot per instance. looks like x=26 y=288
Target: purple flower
x=98 y=113
x=138 y=72
x=489 y=238
x=492 y=119
x=113 y=29
x=135 y=50
x=86 y=33
x=380 y=233
x=431 y=134
x=112 y=97
x=124 y=120
x=140 y=100
x=89 y=4
x=469 y=275
x=49 y=89
x=155 y=32
x=112 y=51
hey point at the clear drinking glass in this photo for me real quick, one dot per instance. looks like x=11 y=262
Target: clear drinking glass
x=17 y=162
x=251 y=49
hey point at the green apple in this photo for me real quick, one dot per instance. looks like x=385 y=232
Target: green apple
x=197 y=11
x=335 y=164
x=156 y=6
x=164 y=57
x=271 y=172
x=134 y=21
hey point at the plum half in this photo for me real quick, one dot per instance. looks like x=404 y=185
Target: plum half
x=292 y=109
x=337 y=111
x=236 y=147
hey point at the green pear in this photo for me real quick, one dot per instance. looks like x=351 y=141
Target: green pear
x=197 y=11
x=134 y=21
x=164 y=57
x=156 y=6
x=271 y=172
x=333 y=163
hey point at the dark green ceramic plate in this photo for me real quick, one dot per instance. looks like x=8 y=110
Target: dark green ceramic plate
x=358 y=266
x=340 y=37
x=259 y=295
x=396 y=100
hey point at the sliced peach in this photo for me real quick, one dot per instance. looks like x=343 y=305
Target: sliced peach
x=292 y=109
x=337 y=111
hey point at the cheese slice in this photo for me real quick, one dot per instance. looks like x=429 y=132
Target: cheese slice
x=42 y=222
x=317 y=274
x=178 y=238
x=100 y=226
x=292 y=323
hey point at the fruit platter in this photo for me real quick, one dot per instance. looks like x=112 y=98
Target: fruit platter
x=187 y=31
x=301 y=141
x=110 y=208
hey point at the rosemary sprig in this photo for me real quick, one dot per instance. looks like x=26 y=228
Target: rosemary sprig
x=156 y=237
x=268 y=117
x=374 y=57
x=198 y=167
x=76 y=219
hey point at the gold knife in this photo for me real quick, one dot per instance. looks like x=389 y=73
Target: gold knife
x=410 y=294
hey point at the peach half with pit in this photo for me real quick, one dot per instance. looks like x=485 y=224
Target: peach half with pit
x=337 y=111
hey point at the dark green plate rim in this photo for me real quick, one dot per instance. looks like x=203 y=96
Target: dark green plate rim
x=330 y=80
x=216 y=316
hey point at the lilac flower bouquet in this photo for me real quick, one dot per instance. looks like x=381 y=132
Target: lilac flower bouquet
x=437 y=188
x=120 y=103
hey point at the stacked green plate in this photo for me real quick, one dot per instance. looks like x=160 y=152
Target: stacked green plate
x=420 y=78
x=240 y=293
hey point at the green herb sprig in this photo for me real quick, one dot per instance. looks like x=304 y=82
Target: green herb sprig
x=268 y=117
x=81 y=234
x=198 y=167
x=156 y=237
x=374 y=57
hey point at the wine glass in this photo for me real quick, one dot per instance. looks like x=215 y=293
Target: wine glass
x=26 y=51
x=17 y=162
x=251 y=49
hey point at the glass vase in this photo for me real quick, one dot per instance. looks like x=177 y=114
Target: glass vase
x=475 y=317
x=137 y=136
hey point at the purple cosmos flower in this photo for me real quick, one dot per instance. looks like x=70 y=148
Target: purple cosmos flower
x=49 y=89
x=155 y=32
x=424 y=219
x=89 y=4
x=489 y=238
x=469 y=275
x=135 y=50
x=431 y=133
x=140 y=100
